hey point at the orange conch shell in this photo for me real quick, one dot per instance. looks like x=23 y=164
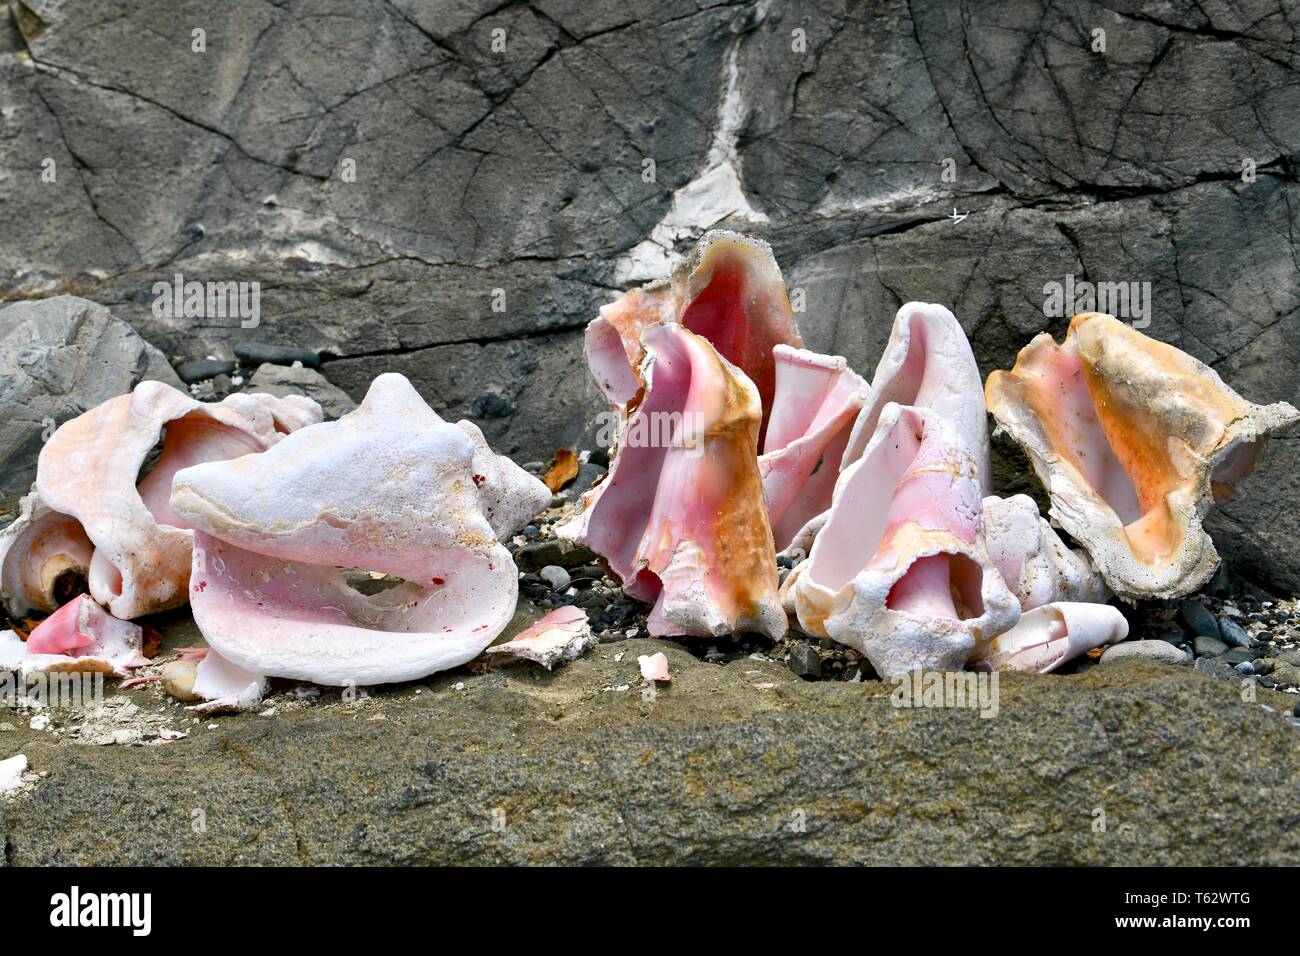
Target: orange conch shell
x=1134 y=441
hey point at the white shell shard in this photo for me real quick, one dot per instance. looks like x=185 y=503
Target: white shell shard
x=44 y=559
x=680 y=517
x=89 y=470
x=728 y=290
x=816 y=400
x=80 y=637
x=928 y=363
x=654 y=667
x=562 y=635
x=388 y=487
x=899 y=572
x=1033 y=560
x=11 y=772
x=1133 y=440
x=510 y=497
x=1049 y=636
x=226 y=687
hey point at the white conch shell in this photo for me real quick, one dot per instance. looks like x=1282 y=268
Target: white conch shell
x=1033 y=560
x=728 y=290
x=388 y=487
x=44 y=559
x=1133 y=440
x=680 y=518
x=899 y=571
x=80 y=637
x=1048 y=636
x=509 y=496
x=89 y=468
x=928 y=363
x=816 y=401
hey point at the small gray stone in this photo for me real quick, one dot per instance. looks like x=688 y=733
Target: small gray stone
x=200 y=370
x=1238 y=655
x=1286 y=674
x=1154 y=650
x=538 y=554
x=805 y=661
x=1245 y=667
x=555 y=576
x=257 y=353
x=1216 y=669
x=1233 y=633
x=1197 y=620
x=1209 y=646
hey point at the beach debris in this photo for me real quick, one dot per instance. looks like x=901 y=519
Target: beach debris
x=11 y=773
x=1050 y=635
x=654 y=667
x=563 y=471
x=80 y=637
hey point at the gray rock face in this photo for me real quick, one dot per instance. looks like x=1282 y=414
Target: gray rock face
x=522 y=766
x=58 y=358
x=408 y=197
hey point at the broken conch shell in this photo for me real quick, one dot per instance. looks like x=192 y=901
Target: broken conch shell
x=816 y=401
x=80 y=637
x=899 y=571
x=680 y=517
x=562 y=635
x=1033 y=560
x=1049 y=636
x=389 y=487
x=1134 y=440
x=90 y=492
x=728 y=290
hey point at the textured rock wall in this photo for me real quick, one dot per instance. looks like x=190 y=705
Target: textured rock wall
x=823 y=127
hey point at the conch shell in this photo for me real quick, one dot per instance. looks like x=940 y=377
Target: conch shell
x=44 y=559
x=389 y=487
x=728 y=290
x=816 y=401
x=88 y=471
x=680 y=517
x=1134 y=440
x=928 y=363
x=899 y=572
x=1049 y=636
x=1033 y=560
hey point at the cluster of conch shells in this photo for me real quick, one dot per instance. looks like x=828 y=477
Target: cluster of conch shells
x=880 y=492
x=249 y=512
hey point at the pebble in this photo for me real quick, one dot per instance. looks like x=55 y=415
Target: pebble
x=805 y=661
x=1155 y=650
x=1209 y=646
x=202 y=369
x=1245 y=667
x=1197 y=619
x=1233 y=633
x=1216 y=669
x=1285 y=673
x=538 y=554
x=1264 y=665
x=555 y=576
x=591 y=599
x=258 y=353
x=1238 y=655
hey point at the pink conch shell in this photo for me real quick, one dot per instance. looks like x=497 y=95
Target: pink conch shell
x=89 y=470
x=1048 y=636
x=928 y=363
x=389 y=487
x=680 y=518
x=1033 y=560
x=1133 y=440
x=728 y=290
x=79 y=637
x=816 y=401
x=44 y=559
x=899 y=571
x=562 y=635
